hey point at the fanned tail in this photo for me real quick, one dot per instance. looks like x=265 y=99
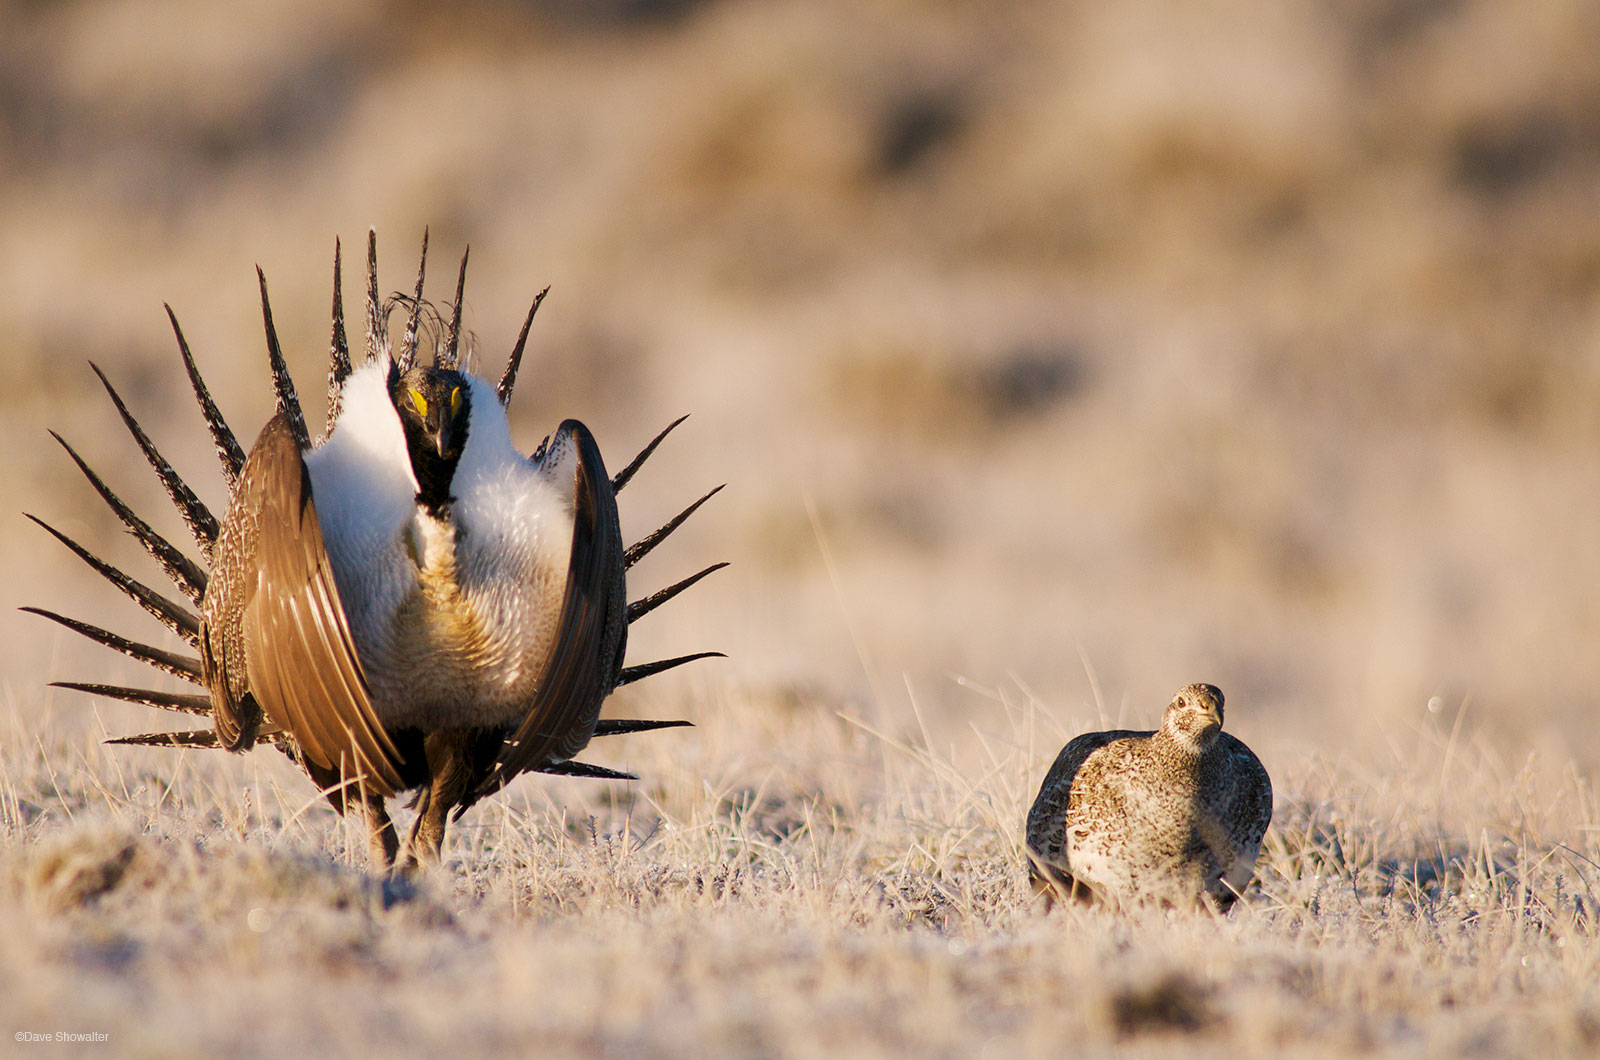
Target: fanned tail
x=190 y=577
x=637 y=609
x=183 y=571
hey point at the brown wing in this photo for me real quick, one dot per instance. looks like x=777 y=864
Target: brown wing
x=300 y=659
x=1046 y=826
x=586 y=659
x=1252 y=804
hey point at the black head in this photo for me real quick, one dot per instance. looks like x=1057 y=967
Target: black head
x=435 y=405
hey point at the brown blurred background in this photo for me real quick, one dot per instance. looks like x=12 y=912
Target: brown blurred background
x=1251 y=343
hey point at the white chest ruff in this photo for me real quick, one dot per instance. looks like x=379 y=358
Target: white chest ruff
x=453 y=620
x=468 y=645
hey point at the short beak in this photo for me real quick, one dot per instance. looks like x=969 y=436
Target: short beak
x=444 y=432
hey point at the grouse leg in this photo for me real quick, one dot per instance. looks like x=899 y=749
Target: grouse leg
x=448 y=754
x=383 y=844
x=1050 y=883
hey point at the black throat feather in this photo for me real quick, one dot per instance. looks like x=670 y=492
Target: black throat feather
x=434 y=471
x=434 y=474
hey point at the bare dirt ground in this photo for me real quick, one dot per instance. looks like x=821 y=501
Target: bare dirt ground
x=1056 y=355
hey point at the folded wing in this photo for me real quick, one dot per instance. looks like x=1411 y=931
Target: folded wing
x=585 y=662
x=301 y=661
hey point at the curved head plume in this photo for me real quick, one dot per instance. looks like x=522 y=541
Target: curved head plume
x=448 y=353
x=424 y=317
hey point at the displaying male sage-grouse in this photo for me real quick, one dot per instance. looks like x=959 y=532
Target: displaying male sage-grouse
x=407 y=603
x=1172 y=816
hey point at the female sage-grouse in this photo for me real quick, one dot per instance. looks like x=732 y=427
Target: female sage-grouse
x=407 y=603
x=1170 y=816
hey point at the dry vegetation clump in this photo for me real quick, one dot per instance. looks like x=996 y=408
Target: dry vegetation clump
x=786 y=882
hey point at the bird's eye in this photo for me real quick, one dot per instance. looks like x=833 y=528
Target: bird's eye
x=419 y=403
x=455 y=399
x=1183 y=701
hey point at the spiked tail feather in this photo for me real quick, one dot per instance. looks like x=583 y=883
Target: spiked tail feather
x=621 y=727
x=228 y=449
x=408 y=345
x=288 y=402
x=639 y=608
x=202 y=524
x=643 y=547
x=508 y=379
x=630 y=674
x=453 y=355
x=621 y=478
x=175 y=617
x=377 y=330
x=187 y=738
x=183 y=702
x=585 y=769
x=338 y=347
x=184 y=666
x=203 y=738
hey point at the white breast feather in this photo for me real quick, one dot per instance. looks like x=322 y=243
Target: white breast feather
x=365 y=493
x=516 y=537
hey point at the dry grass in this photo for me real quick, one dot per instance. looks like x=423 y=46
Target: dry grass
x=1203 y=342
x=785 y=882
